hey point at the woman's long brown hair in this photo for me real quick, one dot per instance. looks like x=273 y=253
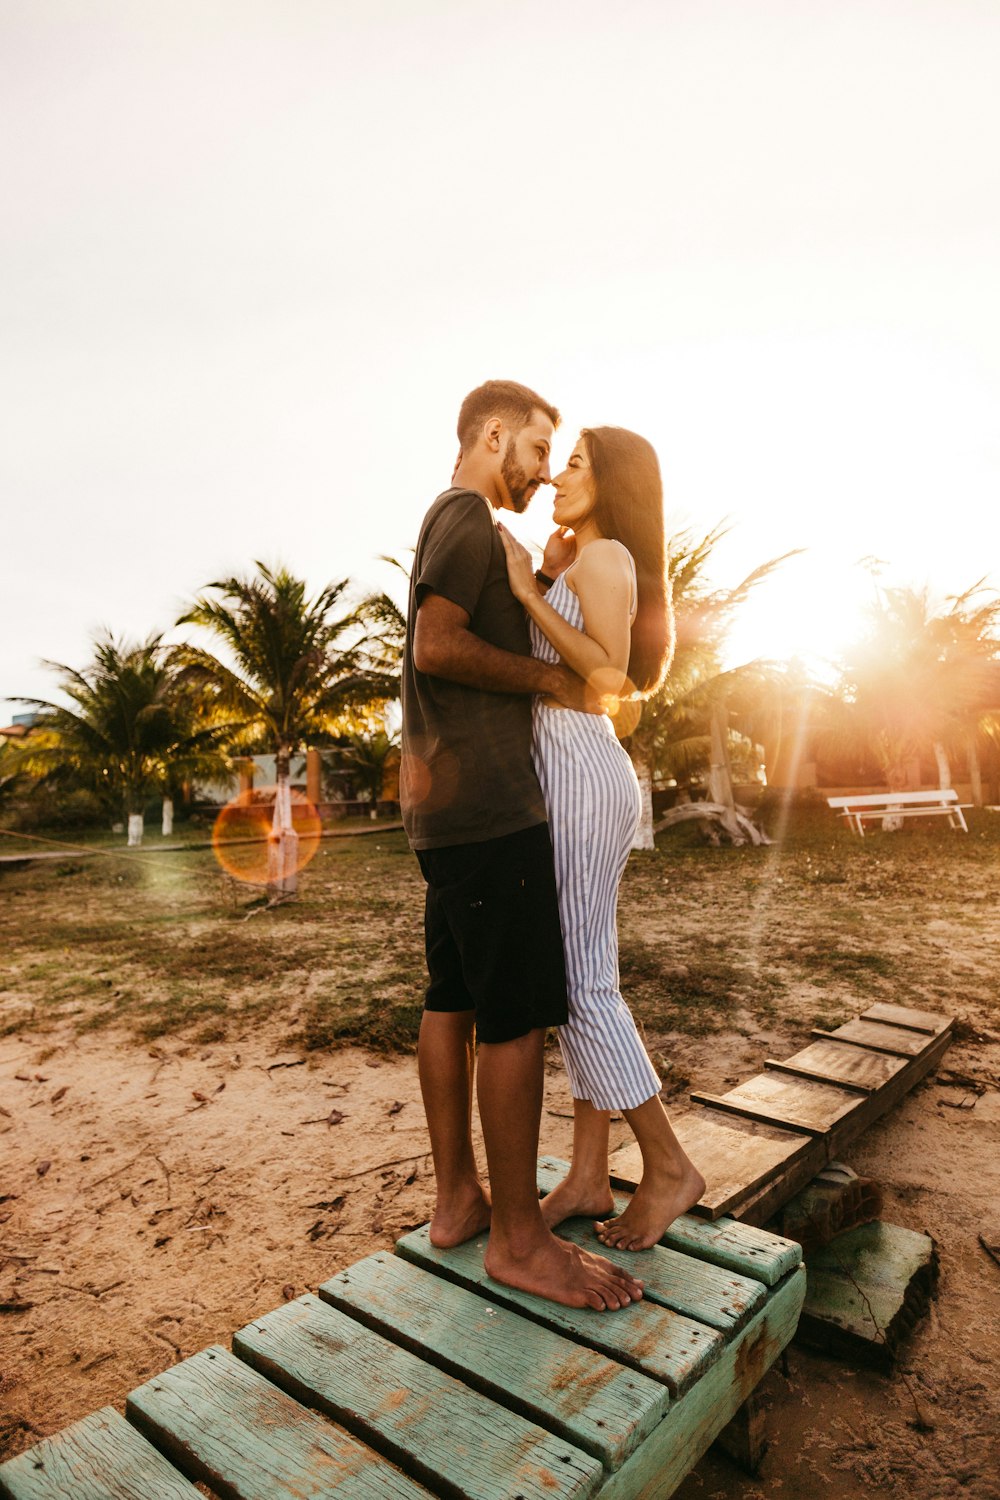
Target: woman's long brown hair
x=628 y=507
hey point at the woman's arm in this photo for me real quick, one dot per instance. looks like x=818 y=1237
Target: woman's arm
x=603 y=581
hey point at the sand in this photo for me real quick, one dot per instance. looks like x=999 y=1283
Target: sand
x=154 y=1199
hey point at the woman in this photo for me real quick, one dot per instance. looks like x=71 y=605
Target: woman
x=608 y=617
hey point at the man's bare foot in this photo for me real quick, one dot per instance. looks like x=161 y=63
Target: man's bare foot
x=563 y=1273
x=655 y=1204
x=454 y=1223
x=575 y=1198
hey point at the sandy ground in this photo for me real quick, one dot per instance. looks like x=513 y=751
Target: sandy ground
x=154 y=1200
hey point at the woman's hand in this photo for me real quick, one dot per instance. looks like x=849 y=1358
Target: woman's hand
x=560 y=552
x=520 y=572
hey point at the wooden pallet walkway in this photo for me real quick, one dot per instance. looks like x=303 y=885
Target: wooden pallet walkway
x=414 y=1374
x=758 y=1144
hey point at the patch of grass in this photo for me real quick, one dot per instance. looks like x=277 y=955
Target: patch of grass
x=845 y=963
x=697 y=996
x=711 y=938
x=383 y=1025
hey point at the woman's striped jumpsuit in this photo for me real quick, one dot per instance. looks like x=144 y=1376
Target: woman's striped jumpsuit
x=593 y=803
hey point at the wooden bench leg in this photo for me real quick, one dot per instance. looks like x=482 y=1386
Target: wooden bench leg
x=743 y=1438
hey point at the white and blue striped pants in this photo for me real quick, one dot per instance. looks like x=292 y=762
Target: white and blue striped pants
x=592 y=798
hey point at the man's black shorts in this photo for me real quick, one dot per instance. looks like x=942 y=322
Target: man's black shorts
x=492 y=933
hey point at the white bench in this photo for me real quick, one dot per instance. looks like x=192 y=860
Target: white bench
x=943 y=802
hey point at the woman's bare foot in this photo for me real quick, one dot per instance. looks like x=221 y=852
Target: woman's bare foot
x=562 y=1273
x=454 y=1223
x=655 y=1204
x=574 y=1198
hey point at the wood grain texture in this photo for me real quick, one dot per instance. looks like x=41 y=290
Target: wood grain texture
x=98 y=1458
x=799 y=1103
x=839 y=1062
x=735 y=1156
x=929 y=1021
x=221 y=1422
x=720 y=1299
x=659 y=1466
x=662 y=1344
x=878 y=1036
x=583 y=1396
x=452 y=1438
x=722 y=1242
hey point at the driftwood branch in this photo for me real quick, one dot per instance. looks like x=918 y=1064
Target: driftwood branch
x=737 y=827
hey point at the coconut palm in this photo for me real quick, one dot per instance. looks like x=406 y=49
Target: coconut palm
x=293 y=665
x=368 y=753
x=686 y=724
x=131 y=732
x=920 y=681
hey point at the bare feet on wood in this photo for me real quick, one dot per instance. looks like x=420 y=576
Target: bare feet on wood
x=574 y=1198
x=655 y=1204
x=454 y=1223
x=563 y=1273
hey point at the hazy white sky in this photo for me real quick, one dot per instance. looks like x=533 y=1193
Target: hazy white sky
x=253 y=253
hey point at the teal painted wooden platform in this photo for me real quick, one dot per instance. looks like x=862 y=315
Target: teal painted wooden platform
x=414 y=1374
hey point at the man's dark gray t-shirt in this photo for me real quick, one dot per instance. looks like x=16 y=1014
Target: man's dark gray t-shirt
x=467 y=773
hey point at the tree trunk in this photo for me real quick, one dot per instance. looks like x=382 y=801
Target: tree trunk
x=975 y=774
x=644 y=829
x=167 y=826
x=283 y=850
x=720 y=780
x=943 y=765
x=134 y=830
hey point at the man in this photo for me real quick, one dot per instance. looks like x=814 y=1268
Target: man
x=474 y=814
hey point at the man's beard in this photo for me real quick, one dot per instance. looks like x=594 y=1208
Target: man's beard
x=519 y=487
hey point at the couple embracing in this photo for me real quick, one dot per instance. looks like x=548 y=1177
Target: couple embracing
x=521 y=806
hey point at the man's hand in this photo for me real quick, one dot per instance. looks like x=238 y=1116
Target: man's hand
x=573 y=692
x=560 y=552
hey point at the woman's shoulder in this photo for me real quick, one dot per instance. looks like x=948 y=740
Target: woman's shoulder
x=605 y=556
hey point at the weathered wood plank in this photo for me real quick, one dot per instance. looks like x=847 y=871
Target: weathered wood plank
x=658 y=1467
x=743 y=1437
x=792 y=1070
x=663 y=1344
x=866 y=1290
x=98 y=1458
x=221 y=1422
x=929 y=1021
x=722 y=1242
x=586 y=1398
x=734 y=1155
x=876 y=1105
x=798 y=1103
x=433 y=1426
x=761 y=1206
x=878 y=1036
x=839 y=1062
x=720 y=1299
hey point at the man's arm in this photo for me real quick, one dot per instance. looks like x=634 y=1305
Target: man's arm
x=444 y=646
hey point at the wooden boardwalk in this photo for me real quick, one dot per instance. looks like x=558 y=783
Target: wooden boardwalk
x=758 y=1144
x=413 y=1374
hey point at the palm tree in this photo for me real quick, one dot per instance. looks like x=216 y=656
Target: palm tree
x=368 y=752
x=685 y=725
x=294 y=665
x=920 y=681
x=132 y=730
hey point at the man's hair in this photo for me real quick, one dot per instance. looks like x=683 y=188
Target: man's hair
x=506 y=399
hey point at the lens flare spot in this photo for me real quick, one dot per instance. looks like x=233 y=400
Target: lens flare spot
x=430 y=787
x=625 y=716
x=242 y=838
